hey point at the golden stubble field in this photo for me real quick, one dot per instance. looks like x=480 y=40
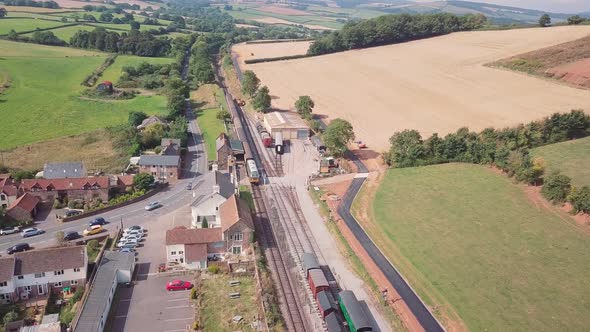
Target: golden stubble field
x=433 y=85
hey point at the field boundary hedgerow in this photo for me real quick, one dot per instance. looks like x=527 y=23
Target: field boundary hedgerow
x=91 y=79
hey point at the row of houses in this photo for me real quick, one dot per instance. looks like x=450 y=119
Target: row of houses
x=39 y=272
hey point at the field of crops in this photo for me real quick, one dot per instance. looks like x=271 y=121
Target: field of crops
x=471 y=242
x=571 y=158
x=43 y=100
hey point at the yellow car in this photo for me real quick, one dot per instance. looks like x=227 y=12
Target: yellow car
x=93 y=230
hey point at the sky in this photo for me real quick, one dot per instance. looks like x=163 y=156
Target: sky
x=556 y=6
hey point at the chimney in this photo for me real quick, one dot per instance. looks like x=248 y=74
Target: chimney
x=216 y=189
x=214 y=167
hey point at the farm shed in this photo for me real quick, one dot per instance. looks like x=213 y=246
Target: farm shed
x=288 y=123
x=317 y=281
x=353 y=312
x=310 y=261
x=332 y=323
x=326 y=303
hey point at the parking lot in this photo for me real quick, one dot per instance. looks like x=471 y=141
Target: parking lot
x=147 y=305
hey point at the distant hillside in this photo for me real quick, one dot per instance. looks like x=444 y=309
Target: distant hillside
x=496 y=13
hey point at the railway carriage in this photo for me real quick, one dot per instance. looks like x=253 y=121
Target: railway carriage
x=279 y=144
x=252 y=170
x=355 y=316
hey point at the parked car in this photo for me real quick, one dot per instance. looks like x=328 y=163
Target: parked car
x=98 y=221
x=32 y=232
x=131 y=238
x=93 y=230
x=68 y=236
x=71 y=213
x=153 y=206
x=178 y=285
x=134 y=228
x=126 y=249
x=9 y=230
x=127 y=243
x=134 y=233
x=20 y=247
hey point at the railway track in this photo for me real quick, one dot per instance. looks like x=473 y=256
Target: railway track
x=291 y=306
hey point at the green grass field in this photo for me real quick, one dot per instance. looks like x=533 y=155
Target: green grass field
x=43 y=99
x=66 y=33
x=114 y=71
x=571 y=158
x=125 y=27
x=211 y=127
x=25 y=24
x=469 y=240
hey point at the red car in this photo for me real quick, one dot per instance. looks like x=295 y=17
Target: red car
x=178 y=285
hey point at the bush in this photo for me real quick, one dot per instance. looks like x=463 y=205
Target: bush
x=194 y=293
x=580 y=199
x=143 y=181
x=93 y=245
x=11 y=316
x=57 y=204
x=213 y=269
x=77 y=295
x=556 y=187
x=67 y=317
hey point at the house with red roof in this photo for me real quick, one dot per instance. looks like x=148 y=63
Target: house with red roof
x=24 y=208
x=87 y=189
x=8 y=191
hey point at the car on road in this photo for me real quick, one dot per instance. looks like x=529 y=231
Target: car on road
x=189 y=186
x=98 y=221
x=178 y=285
x=32 y=232
x=68 y=236
x=92 y=230
x=153 y=206
x=20 y=247
x=9 y=230
x=71 y=213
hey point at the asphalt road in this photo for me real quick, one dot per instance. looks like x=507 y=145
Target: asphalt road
x=424 y=316
x=172 y=198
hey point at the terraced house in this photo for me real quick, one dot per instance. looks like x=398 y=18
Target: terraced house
x=87 y=189
x=39 y=272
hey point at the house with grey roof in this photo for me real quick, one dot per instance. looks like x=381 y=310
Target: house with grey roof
x=206 y=207
x=74 y=169
x=162 y=167
x=151 y=120
x=170 y=146
x=114 y=268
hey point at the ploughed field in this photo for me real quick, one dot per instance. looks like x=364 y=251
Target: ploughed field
x=474 y=245
x=433 y=85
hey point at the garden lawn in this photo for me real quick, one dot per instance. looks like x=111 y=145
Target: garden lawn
x=571 y=158
x=43 y=99
x=218 y=309
x=114 y=71
x=469 y=239
x=26 y=24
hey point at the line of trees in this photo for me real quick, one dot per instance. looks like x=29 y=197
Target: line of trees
x=557 y=188
x=391 y=29
x=141 y=43
x=31 y=3
x=261 y=99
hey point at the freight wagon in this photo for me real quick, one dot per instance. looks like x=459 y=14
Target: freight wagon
x=353 y=313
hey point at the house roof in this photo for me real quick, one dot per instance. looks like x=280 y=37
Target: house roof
x=6 y=268
x=221 y=141
x=26 y=202
x=148 y=121
x=65 y=184
x=170 y=146
x=156 y=159
x=125 y=180
x=73 y=169
x=52 y=259
x=222 y=186
x=100 y=292
x=236 y=146
x=195 y=252
x=8 y=186
x=286 y=120
x=233 y=211
x=183 y=235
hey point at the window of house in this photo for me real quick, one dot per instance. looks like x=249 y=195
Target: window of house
x=4 y=284
x=173 y=253
x=76 y=269
x=20 y=277
x=27 y=288
x=58 y=272
x=40 y=275
x=57 y=284
x=181 y=252
x=73 y=282
x=3 y=197
x=236 y=250
x=237 y=236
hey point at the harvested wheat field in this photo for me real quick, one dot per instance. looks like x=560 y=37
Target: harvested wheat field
x=433 y=85
x=271 y=50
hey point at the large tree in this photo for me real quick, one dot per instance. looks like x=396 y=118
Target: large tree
x=545 y=20
x=143 y=181
x=576 y=19
x=262 y=99
x=556 y=187
x=338 y=133
x=407 y=149
x=304 y=105
x=135 y=118
x=250 y=83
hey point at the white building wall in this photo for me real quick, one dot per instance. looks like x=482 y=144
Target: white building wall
x=50 y=277
x=177 y=248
